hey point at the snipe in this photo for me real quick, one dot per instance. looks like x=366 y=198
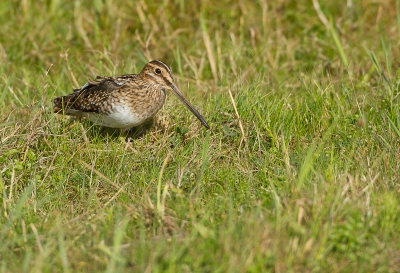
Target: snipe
x=124 y=101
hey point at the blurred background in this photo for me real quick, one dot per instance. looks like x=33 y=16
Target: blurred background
x=210 y=44
x=299 y=172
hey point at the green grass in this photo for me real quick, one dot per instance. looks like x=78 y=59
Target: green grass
x=303 y=178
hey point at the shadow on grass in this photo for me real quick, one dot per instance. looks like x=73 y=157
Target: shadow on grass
x=96 y=132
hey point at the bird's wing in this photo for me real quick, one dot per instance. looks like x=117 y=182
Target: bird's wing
x=92 y=97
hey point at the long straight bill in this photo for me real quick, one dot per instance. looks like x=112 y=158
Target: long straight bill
x=188 y=105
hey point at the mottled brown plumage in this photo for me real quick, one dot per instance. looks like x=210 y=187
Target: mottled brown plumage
x=123 y=101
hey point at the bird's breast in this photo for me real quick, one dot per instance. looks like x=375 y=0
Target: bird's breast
x=130 y=109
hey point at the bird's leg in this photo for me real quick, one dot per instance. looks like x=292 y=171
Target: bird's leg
x=139 y=131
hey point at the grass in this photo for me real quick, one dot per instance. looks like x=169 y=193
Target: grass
x=299 y=172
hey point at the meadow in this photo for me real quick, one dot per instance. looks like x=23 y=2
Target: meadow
x=298 y=173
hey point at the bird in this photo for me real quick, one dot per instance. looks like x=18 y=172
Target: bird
x=124 y=101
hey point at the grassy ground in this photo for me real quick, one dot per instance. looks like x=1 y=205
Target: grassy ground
x=303 y=177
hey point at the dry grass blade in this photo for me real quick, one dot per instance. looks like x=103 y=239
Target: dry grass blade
x=160 y=204
x=105 y=178
x=320 y=13
x=39 y=243
x=238 y=117
x=209 y=49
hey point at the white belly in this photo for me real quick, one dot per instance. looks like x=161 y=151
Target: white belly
x=122 y=118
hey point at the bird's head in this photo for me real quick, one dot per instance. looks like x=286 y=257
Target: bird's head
x=161 y=74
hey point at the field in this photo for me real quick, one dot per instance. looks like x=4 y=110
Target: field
x=298 y=173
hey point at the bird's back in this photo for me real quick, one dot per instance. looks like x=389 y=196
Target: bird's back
x=95 y=96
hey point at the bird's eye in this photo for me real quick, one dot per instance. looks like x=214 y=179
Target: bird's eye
x=158 y=70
